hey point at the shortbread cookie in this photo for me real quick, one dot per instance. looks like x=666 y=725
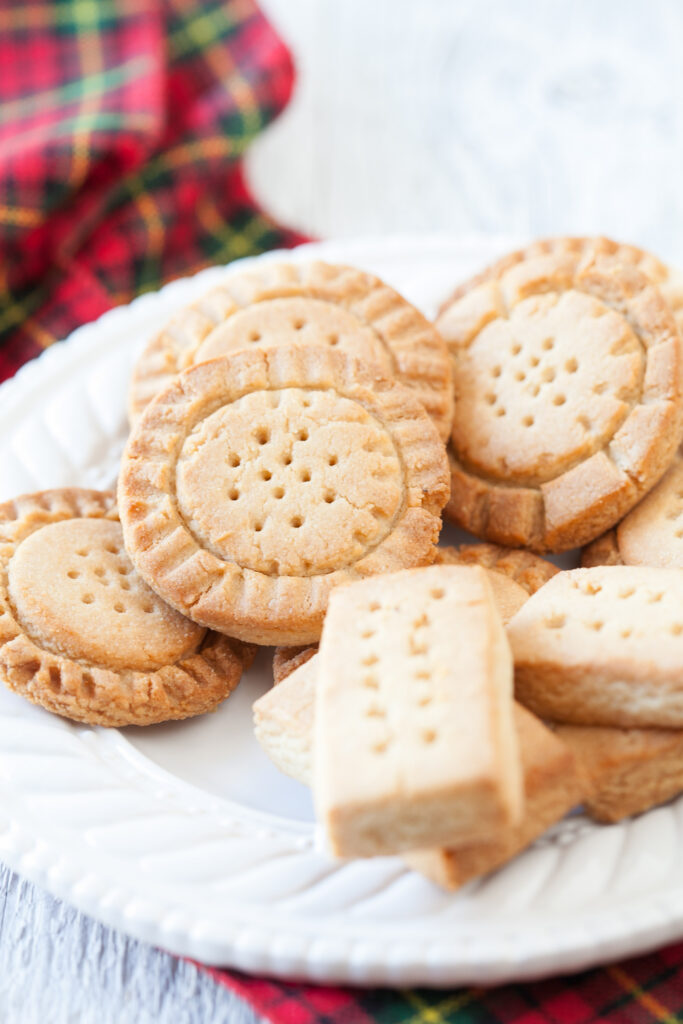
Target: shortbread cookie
x=287 y=659
x=520 y=571
x=552 y=787
x=283 y=722
x=414 y=737
x=627 y=770
x=256 y=483
x=286 y=303
x=651 y=534
x=82 y=635
x=567 y=372
x=603 y=646
x=526 y=569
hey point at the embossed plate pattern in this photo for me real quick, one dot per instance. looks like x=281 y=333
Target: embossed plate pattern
x=185 y=835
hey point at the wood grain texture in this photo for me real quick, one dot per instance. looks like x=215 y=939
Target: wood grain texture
x=58 y=966
x=479 y=116
x=522 y=119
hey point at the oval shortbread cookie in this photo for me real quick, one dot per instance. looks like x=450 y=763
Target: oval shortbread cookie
x=82 y=635
x=652 y=532
x=603 y=646
x=256 y=483
x=567 y=372
x=286 y=303
x=513 y=575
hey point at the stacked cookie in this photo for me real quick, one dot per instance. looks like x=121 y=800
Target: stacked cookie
x=267 y=464
x=296 y=436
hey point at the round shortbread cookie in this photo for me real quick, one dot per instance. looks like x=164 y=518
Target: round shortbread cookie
x=82 y=635
x=287 y=303
x=567 y=370
x=256 y=483
x=528 y=570
x=651 y=534
x=513 y=575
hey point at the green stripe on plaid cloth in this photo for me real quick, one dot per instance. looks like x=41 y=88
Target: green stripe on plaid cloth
x=121 y=131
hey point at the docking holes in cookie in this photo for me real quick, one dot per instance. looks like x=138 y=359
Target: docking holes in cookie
x=261 y=480
x=318 y=465
x=83 y=635
x=567 y=407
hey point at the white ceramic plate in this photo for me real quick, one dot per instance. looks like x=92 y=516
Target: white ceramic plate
x=186 y=836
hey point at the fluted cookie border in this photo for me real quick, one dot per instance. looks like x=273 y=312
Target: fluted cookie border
x=418 y=353
x=590 y=497
x=223 y=595
x=84 y=691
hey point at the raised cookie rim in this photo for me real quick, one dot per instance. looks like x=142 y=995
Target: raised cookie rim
x=278 y=609
x=417 y=350
x=76 y=688
x=617 y=474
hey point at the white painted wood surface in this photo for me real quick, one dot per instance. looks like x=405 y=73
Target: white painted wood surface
x=457 y=115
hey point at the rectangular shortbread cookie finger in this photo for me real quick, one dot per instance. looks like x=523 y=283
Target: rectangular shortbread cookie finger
x=603 y=646
x=552 y=785
x=414 y=737
x=627 y=771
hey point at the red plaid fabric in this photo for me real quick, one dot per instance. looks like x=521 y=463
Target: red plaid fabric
x=122 y=126
x=646 y=990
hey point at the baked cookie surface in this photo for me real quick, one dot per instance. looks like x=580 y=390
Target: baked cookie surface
x=258 y=482
x=82 y=635
x=603 y=646
x=567 y=372
x=651 y=533
x=280 y=304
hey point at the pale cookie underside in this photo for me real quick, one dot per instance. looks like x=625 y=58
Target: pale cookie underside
x=82 y=635
x=603 y=646
x=567 y=380
x=339 y=307
x=258 y=482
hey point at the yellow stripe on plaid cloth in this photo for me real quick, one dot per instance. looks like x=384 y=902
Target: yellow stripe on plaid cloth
x=437 y=1013
x=197 y=33
x=646 y=999
x=21 y=215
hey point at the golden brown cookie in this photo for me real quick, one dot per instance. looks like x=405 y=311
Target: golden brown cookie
x=256 y=483
x=567 y=372
x=287 y=659
x=512 y=572
x=652 y=532
x=627 y=771
x=603 y=646
x=292 y=303
x=528 y=570
x=82 y=635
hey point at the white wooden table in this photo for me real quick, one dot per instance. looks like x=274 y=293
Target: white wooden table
x=456 y=115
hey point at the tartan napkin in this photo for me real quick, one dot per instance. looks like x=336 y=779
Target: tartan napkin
x=121 y=127
x=122 y=123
